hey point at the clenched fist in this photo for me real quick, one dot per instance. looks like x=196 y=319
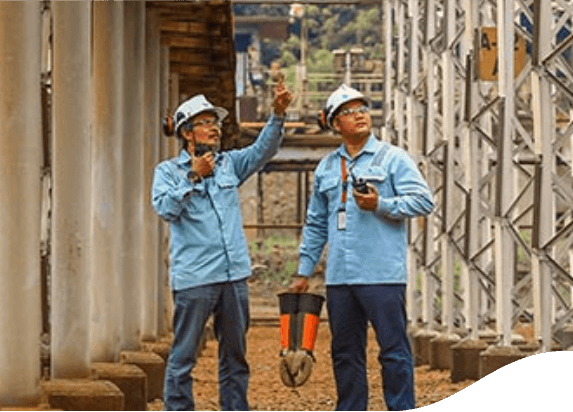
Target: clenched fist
x=204 y=165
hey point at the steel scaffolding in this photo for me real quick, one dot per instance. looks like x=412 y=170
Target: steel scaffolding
x=493 y=135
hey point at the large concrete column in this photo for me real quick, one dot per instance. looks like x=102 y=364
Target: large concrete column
x=71 y=259
x=163 y=295
x=20 y=164
x=150 y=160
x=107 y=177
x=133 y=196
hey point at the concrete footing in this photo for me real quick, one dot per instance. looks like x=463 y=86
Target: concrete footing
x=466 y=359
x=153 y=366
x=531 y=348
x=130 y=379
x=83 y=395
x=496 y=357
x=488 y=336
x=440 y=351
x=160 y=348
x=40 y=407
x=565 y=335
x=421 y=346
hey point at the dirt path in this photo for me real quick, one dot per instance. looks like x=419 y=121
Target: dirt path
x=267 y=392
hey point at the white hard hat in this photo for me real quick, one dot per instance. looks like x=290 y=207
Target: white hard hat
x=194 y=106
x=343 y=94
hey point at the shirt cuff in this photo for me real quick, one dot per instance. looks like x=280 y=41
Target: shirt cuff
x=386 y=206
x=277 y=117
x=305 y=267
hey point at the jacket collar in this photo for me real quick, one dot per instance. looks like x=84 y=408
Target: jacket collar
x=370 y=147
x=183 y=158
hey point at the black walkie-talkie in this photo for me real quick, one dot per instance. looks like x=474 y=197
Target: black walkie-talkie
x=201 y=149
x=359 y=184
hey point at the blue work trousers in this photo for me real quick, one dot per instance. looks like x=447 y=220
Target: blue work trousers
x=229 y=302
x=350 y=307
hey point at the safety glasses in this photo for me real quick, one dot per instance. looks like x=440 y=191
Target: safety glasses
x=354 y=110
x=207 y=122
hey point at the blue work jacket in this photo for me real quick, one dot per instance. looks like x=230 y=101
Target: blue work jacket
x=372 y=249
x=208 y=244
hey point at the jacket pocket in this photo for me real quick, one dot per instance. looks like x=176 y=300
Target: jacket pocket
x=227 y=194
x=379 y=178
x=328 y=187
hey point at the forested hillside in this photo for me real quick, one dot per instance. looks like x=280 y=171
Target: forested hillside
x=328 y=28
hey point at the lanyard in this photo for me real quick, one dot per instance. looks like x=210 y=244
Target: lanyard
x=342 y=210
x=344 y=181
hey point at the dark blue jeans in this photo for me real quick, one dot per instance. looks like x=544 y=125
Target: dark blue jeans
x=350 y=307
x=229 y=302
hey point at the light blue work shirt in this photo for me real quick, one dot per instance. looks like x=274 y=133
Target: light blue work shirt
x=372 y=249
x=208 y=244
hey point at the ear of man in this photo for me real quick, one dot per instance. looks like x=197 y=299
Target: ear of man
x=336 y=124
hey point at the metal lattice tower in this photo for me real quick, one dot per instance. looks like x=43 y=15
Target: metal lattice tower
x=493 y=136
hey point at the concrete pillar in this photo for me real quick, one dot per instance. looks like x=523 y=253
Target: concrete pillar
x=107 y=176
x=133 y=196
x=150 y=160
x=71 y=258
x=20 y=166
x=164 y=294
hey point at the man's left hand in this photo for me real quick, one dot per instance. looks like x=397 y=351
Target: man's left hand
x=367 y=201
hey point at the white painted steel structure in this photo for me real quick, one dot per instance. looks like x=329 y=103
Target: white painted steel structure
x=498 y=156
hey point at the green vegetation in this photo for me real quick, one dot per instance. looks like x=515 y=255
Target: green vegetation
x=329 y=27
x=277 y=257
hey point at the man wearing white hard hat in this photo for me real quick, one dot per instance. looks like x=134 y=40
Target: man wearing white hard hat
x=196 y=193
x=364 y=192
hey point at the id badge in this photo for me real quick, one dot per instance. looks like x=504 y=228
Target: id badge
x=341 y=219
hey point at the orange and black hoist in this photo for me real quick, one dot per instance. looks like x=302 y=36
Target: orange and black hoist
x=299 y=320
